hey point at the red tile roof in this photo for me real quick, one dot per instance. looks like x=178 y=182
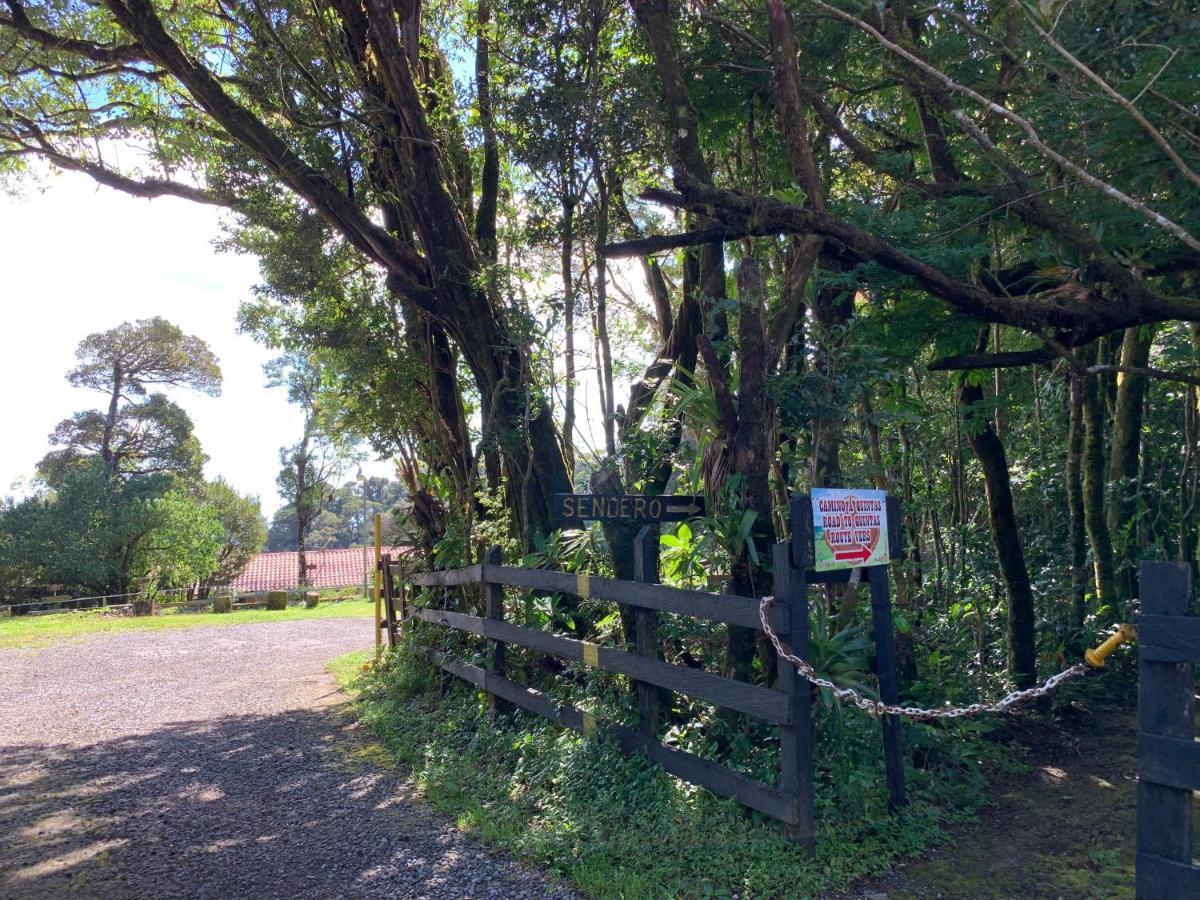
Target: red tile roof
x=326 y=568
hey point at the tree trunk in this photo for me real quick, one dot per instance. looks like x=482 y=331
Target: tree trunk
x=302 y=516
x=1093 y=494
x=1075 y=517
x=1006 y=537
x=1124 y=455
x=567 y=260
x=605 y=361
x=750 y=456
x=110 y=421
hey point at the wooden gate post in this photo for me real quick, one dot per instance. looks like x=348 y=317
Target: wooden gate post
x=645 y=570
x=889 y=688
x=389 y=600
x=1168 y=759
x=796 y=739
x=493 y=595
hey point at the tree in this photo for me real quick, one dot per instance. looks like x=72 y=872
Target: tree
x=897 y=180
x=150 y=437
x=135 y=437
x=312 y=463
x=340 y=523
x=90 y=531
x=183 y=545
x=243 y=529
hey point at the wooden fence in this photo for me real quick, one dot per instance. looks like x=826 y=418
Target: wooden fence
x=1168 y=753
x=788 y=704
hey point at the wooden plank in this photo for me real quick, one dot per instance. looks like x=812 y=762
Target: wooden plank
x=1157 y=878
x=1169 y=638
x=804 y=553
x=796 y=739
x=645 y=570
x=709 y=775
x=751 y=699
x=889 y=686
x=493 y=597
x=727 y=608
x=1172 y=761
x=458 y=621
x=449 y=577
x=1166 y=708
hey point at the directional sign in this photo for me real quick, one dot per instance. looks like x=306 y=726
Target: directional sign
x=632 y=507
x=850 y=528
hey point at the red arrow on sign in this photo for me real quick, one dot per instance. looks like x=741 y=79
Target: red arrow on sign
x=862 y=554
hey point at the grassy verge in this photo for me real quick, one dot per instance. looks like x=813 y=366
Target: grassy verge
x=622 y=828
x=40 y=631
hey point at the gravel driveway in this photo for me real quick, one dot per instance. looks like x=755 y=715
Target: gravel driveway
x=212 y=762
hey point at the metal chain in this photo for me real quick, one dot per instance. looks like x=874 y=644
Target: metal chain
x=879 y=708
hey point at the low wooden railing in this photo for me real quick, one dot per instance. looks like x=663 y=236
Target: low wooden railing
x=788 y=705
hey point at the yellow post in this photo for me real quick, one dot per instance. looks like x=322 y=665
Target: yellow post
x=378 y=585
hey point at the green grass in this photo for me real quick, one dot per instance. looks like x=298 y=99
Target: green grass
x=623 y=828
x=40 y=631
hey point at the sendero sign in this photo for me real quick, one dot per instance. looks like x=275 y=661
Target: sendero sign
x=634 y=507
x=849 y=528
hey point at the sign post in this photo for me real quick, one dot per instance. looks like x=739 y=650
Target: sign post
x=626 y=507
x=847 y=535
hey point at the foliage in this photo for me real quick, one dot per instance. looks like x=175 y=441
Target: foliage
x=621 y=827
x=135 y=436
x=184 y=545
x=243 y=531
x=340 y=523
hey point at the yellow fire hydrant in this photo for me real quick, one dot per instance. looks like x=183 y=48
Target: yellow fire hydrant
x=1095 y=658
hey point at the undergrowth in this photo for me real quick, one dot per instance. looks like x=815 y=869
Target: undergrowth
x=623 y=828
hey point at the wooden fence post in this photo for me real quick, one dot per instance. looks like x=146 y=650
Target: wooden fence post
x=389 y=600
x=645 y=570
x=1166 y=728
x=493 y=595
x=889 y=687
x=796 y=739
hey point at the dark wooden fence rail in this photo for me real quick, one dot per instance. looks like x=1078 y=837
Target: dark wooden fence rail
x=790 y=801
x=1168 y=753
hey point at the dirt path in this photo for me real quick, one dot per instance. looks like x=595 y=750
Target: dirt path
x=212 y=762
x=1064 y=829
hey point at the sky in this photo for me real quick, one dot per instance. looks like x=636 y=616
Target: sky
x=76 y=258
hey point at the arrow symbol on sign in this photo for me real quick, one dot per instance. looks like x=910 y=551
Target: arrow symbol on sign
x=862 y=554
x=691 y=509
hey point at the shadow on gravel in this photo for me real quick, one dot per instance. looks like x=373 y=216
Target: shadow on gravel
x=235 y=807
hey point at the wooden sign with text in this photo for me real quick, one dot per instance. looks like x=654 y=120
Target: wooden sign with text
x=630 y=507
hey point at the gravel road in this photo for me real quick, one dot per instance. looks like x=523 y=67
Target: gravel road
x=213 y=762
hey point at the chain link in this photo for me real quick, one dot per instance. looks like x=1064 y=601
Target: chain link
x=879 y=708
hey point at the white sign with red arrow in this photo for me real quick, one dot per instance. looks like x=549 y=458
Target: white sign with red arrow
x=849 y=528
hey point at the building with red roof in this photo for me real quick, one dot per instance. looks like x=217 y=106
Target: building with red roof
x=340 y=567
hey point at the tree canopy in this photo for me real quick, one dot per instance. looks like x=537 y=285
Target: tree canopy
x=949 y=250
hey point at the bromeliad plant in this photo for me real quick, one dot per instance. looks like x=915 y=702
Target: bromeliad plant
x=841 y=656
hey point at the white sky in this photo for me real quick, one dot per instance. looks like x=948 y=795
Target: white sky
x=76 y=258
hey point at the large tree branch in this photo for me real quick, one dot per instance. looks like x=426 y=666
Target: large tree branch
x=1031 y=133
x=1006 y=360
x=141 y=21
x=739 y=215
x=101 y=53
x=1113 y=94
x=145 y=188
